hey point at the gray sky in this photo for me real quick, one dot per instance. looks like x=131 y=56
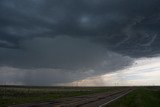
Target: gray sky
x=49 y=42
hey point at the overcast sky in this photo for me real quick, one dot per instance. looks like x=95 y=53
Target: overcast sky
x=55 y=42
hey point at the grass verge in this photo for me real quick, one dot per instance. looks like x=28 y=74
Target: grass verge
x=141 y=97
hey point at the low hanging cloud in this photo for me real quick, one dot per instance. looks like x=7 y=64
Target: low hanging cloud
x=48 y=61
x=90 y=37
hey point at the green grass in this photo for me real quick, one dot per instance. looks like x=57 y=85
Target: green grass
x=141 y=97
x=18 y=95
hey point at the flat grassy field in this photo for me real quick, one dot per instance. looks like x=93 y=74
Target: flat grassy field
x=11 y=95
x=140 y=97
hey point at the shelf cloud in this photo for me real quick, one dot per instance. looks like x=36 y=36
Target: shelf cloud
x=79 y=37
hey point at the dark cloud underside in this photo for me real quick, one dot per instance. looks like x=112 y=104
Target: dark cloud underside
x=128 y=27
x=78 y=35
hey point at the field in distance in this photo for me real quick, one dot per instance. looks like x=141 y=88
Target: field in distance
x=12 y=95
x=139 y=97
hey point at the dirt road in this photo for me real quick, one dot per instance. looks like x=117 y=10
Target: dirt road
x=96 y=100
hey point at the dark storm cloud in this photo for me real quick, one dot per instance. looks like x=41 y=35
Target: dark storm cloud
x=94 y=36
x=62 y=52
x=123 y=26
